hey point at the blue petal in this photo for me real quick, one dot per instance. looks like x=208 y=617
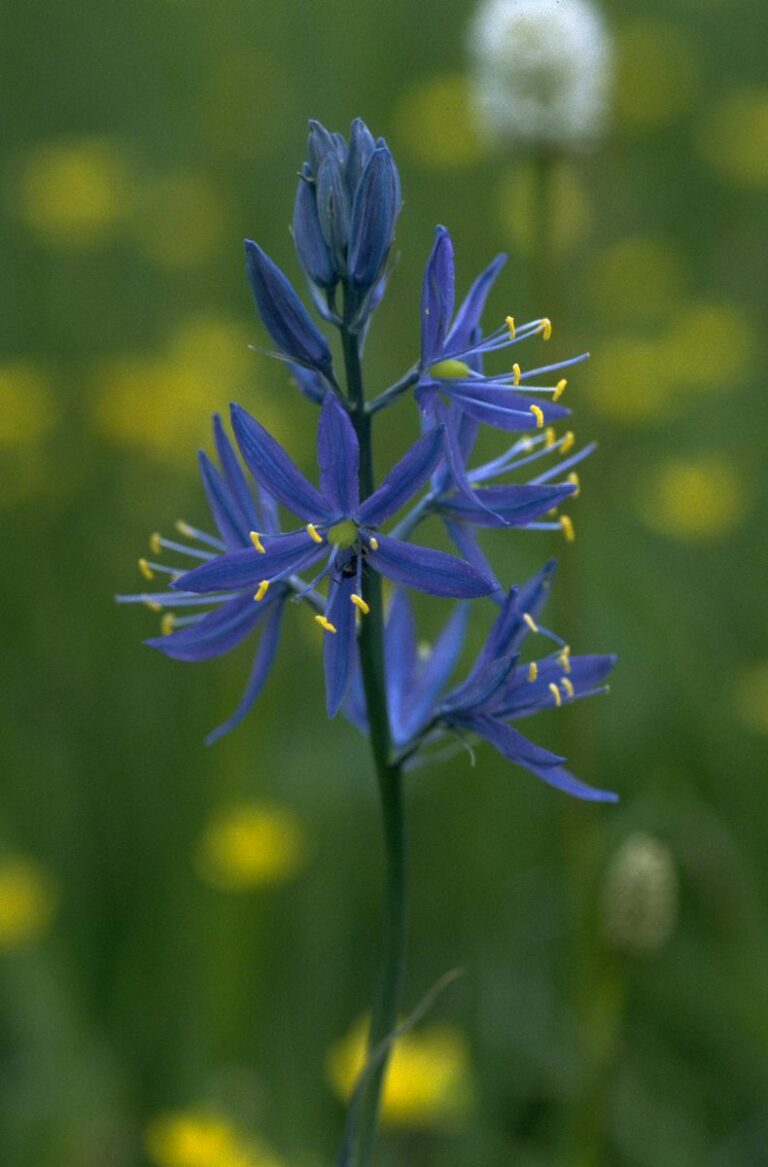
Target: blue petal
x=435 y=672
x=464 y=331
x=215 y=634
x=226 y=513
x=338 y=456
x=340 y=648
x=261 y=665
x=466 y=541
x=272 y=467
x=361 y=146
x=285 y=317
x=563 y=780
x=311 y=248
x=333 y=208
x=235 y=478
x=401 y=657
x=428 y=571
x=500 y=506
x=511 y=743
x=408 y=476
x=479 y=693
x=437 y=297
x=374 y=214
x=246 y=569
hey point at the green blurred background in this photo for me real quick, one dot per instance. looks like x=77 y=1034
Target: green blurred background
x=187 y=934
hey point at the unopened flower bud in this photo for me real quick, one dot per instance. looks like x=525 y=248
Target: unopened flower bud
x=640 y=896
x=540 y=72
x=285 y=317
x=374 y=214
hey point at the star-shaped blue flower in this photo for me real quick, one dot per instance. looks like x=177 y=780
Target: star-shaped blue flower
x=499 y=689
x=340 y=530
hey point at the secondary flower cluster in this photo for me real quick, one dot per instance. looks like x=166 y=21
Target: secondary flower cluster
x=327 y=556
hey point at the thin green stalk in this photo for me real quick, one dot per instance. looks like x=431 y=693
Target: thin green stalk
x=389 y=776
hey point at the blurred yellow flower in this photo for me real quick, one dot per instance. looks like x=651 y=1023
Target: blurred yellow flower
x=639 y=278
x=750 y=696
x=73 y=193
x=428 y=1081
x=708 y=346
x=432 y=123
x=28 y=409
x=27 y=900
x=627 y=380
x=734 y=137
x=252 y=845
x=179 y=220
x=693 y=499
x=203 y=1138
x=162 y=404
x=658 y=73
x=570 y=214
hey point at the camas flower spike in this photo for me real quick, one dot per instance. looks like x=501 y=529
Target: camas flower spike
x=332 y=555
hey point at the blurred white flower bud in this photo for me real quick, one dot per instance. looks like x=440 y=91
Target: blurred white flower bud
x=540 y=72
x=640 y=896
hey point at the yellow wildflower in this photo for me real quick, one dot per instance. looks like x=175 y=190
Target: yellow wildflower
x=252 y=845
x=27 y=900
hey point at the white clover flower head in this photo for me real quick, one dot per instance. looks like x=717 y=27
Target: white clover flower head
x=540 y=72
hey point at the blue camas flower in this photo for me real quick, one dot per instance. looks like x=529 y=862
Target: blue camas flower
x=340 y=531
x=424 y=709
x=230 y=616
x=452 y=347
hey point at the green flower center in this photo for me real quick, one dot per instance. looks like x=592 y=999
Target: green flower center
x=343 y=534
x=449 y=370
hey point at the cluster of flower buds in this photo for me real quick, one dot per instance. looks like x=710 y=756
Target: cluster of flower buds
x=338 y=534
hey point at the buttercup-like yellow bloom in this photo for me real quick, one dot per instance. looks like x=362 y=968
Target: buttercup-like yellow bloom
x=252 y=845
x=28 y=410
x=428 y=1080
x=733 y=137
x=693 y=499
x=73 y=193
x=27 y=900
x=203 y=1138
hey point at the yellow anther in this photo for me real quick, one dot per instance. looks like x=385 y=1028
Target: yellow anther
x=538 y=413
x=360 y=603
x=510 y=323
x=552 y=513
x=167 y=623
x=565 y=659
x=568 y=686
x=155 y=543
x=569 y=439
x=325 y=624
x=549 y=437
x=256 y=540
x=262 y=590
x=313 y=533
x=555 y=693
x=373 y=543
x=545 y=327
x=573 y=478
x=145 y=569
x=153 y=605
x=530 y=622
x=533 y=671
x=518 y=373
x=184 y=529
x=568 y=530
x=559 y=389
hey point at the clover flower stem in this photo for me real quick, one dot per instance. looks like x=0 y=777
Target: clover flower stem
x=389 y=776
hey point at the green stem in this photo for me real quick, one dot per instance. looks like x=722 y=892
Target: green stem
x=389 y=775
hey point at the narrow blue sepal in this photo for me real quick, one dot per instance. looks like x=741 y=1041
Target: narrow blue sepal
x=217 y=632
x=275 y=470
x=433 y=572
x=283 y=314
x=338 y=457
x=374 y=214
x=405 y=478
x=333 y=209
x=312 y=250
x=340 y=647
x=262 y=663
x=283 y=554
x=437 y=297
